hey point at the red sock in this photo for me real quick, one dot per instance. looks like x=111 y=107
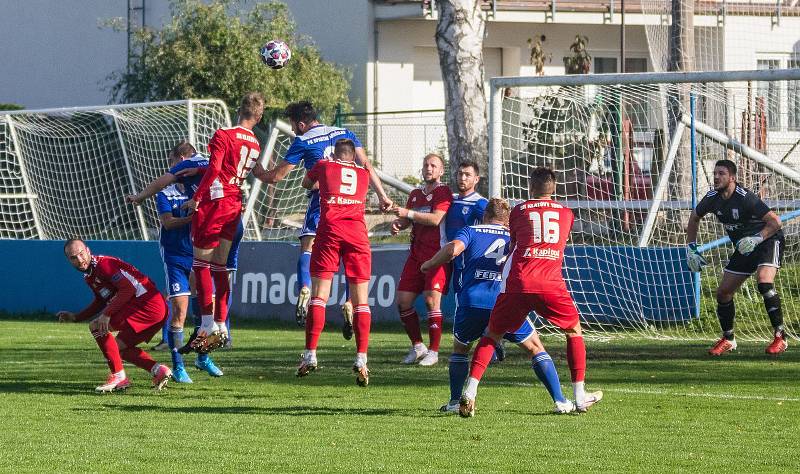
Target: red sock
x=202 y=278
x=410 y=321
x=315 y=322
x=435 y=329
x=138 y=357
x=109 y=348
x=482 y=357
x=222 y=289
x=576 y=358
x=362 y=320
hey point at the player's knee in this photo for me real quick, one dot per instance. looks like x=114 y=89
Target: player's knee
x=431 y=303
x=724 y=296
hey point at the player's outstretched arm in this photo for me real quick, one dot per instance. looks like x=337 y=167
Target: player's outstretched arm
x=65 y=317
x=433 y=218
x=90 y=311
x=447 y=253
x=171 y=222
x=694 y=259
x=374 y=179
x=692 y=227
x=151 y=189
x=274 y=175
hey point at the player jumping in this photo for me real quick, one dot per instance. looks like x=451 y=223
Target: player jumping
x=756 y=233
x=128 y=302
x=480 y=251
x=313 y=142
x=532 y=281
x=425 y=211
x=341 y=235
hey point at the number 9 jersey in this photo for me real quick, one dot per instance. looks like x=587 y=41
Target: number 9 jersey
x=539 y=232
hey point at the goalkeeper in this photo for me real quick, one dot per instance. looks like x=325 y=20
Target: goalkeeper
x=755 y=231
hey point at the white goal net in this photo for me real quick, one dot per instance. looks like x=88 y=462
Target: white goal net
x=66 y=172
x=633 y=155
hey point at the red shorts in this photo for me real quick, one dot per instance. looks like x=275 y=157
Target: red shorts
x=415 y=281
x=214 y=220
x=140 y=321
x=330 y=248
x=511 y=309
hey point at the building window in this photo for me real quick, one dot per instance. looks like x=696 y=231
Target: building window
x=793 y=97
x=770 y=93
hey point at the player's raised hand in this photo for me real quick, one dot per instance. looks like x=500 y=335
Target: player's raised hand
x=386 y=204
x=397 y=226
x=746 y=245
x=190 y=205
x=100 y=325
x=65 y=317
x=694 y=259
x=400 y=211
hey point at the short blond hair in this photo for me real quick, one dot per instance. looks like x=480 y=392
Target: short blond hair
x=252 y=106
x=434 y=155
x=497 y=210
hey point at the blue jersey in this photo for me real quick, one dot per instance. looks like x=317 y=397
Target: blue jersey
x=464 y=211
x=317 y=144
x=479 y=274
x=190 y=183
x=176 y=244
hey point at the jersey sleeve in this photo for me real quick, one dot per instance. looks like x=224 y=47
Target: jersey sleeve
x=217 y=147
x=314 y=173
x=352 y=136
x=704 y=206
x=442 y=199
x=295 y=152
x=756 y=206
x=464 y=235
x=185 y=165
x=162 y=204
x=479 y=210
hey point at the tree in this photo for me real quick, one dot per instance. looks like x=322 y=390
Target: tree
x=459 y=39
x=210 y=49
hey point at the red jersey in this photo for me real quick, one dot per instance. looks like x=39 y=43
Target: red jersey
x=426 y=240
x=539 y=232
x=343 y=187
x=234 y=152
x=116 y=284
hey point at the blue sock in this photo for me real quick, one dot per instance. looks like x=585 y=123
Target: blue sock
x=459 y=368
x=202 y=358
x=195 y=305
x=346 y=290
x=304 y=270
x=175 y=341
x=546 y=372
x=165 y=327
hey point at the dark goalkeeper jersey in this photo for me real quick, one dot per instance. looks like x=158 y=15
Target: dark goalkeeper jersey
x=740 y=214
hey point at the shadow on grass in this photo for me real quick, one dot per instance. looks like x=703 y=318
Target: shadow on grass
x=250 y=410
x=53 y=388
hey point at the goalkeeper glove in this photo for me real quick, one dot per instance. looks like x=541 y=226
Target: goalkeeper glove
x=746 y=245
x=694 y=259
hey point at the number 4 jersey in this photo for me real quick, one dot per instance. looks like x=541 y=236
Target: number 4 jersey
x=343 y=187
x=234 y=152
x=539 y=232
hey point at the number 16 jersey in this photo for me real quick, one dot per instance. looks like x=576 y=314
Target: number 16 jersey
x=539 y=232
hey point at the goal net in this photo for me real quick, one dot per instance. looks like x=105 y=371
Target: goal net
x=633 y=155
x=66 y=172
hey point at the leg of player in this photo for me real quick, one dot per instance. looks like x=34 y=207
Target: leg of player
x=433 y=301
x=116 y=380
x=458 y=368
x=410 y=320
x=543 y=367
x=201 y=267
x=726 y=311
x=138 y=357
x=347 y=312
x=303 y=279
x=576 y=359
x=362 y=320
x=772 y=303
x=180 y=306
x=222 y=285
x=480 y=361
x=315 y=322
x=163 y=344
x=231 y=278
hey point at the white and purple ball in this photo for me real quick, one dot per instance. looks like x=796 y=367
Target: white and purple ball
x=275 y=54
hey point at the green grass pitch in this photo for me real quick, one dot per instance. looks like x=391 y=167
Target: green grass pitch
x=668 y=408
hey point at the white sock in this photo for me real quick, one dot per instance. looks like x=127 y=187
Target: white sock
x=420 y=347
x=361 y=359
x=221 y=327
x=207 y=323
x=579 y=391
x=154 y=370
x=310 y=354
x=119 y=375
x=472 y=388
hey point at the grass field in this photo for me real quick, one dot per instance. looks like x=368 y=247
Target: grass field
x=667 y=408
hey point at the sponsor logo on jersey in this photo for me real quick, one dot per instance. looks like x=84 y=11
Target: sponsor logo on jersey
x=730 y=227
x=104 y=293
x=547 y=254
x=429 y=197
x=719 y=213
x=465 y=210
x=345 y=201
x=735 y=213
x=488 y=275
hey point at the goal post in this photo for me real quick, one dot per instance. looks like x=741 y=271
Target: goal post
x=633 y=153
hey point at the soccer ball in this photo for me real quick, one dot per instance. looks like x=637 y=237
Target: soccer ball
x=275 y=54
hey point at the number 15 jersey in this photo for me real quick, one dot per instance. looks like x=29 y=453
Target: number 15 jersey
x=343 y=187
x=539 y=232
x=234 y=152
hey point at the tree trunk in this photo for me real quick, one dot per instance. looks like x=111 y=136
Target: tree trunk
x=459 y=38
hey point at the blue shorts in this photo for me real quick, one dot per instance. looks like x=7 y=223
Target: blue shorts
x=312 y=217
x=469 y=325
x=233 y=255
x=177 y=271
